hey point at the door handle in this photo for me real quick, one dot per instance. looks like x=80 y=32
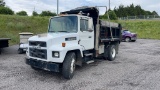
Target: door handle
x=89 y=37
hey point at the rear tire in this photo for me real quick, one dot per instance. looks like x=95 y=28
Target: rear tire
x=69 y=65
x=111 y=52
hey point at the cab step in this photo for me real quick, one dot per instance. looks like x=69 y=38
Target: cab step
x=89 y=62
x=88 y=54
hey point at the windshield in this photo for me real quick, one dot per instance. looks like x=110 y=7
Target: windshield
x=67 y=24
x=127 y=31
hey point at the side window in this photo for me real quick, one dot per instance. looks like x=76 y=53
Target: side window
x=84 y=25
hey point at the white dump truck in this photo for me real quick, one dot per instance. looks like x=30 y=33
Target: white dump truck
x=74 y=37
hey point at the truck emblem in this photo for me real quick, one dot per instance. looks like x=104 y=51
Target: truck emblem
x=70 y=38
x=37 y=47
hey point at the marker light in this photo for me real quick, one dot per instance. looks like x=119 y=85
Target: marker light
x=63 y=44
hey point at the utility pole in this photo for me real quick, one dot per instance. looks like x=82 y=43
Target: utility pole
x=109 y=5
x=57 y=7
x=34 y=8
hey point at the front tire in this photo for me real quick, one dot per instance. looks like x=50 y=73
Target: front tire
x=69 y=65
x=127 y=39
x=111 y=52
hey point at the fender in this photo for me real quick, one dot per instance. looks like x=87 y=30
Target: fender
x=127 y=36
x=63 y=51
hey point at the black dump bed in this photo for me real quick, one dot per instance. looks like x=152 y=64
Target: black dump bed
x=93 y=12
x=108 y=31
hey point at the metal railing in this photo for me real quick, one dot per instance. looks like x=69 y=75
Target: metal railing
x=148 y=17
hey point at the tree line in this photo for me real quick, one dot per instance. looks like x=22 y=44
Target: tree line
x=130 y=10
x=7 y=11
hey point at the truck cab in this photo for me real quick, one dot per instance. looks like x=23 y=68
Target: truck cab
x=74 y=37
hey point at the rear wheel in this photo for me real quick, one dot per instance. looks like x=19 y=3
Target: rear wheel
x=111 y=52
x=69 y=65
x=127 y=39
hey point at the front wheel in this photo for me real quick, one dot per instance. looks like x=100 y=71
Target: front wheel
x=127 y=39
x=69 y=65
x=111 y=52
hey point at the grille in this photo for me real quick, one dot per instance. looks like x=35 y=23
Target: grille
x=134 y=35
x=37 y=43
x=39 y=53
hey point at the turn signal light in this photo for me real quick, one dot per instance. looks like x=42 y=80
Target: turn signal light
x=63 y=44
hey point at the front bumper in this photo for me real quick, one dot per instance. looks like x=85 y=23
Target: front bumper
x=134 y=38
x=48 y=66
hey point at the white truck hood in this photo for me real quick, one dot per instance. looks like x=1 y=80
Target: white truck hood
x=53 y=38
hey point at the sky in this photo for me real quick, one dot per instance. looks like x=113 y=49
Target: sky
x=44 y=5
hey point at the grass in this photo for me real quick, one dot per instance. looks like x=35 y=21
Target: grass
x=146 y=29
x=11 y=26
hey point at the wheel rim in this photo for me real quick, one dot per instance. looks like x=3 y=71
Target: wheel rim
x=127 y=39
x=72 y=65
x=113 y=53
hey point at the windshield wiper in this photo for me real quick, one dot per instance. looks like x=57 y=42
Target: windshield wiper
x=51 y=31
x=63 y=31
x=59 y=31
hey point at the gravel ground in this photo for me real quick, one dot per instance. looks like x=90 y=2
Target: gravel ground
x=137 y=67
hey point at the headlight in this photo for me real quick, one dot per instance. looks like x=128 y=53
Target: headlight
x=55 y=54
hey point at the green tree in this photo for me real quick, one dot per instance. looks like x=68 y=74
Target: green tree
x=22 y=13
x=6 y=11
x=148 y=13
x=154 y=13
x=139 y=10
x=132 y=10
x=34 y=13
x=47 y=13
x=2 y=3
x=112 y=15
